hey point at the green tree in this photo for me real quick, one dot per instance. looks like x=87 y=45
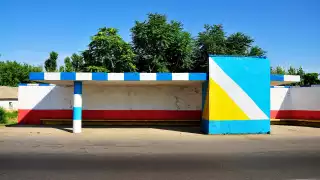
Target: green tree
x=238 y=44
x=51 y=63
x=77 y=62
x=161 y=46
x=292 y=71
x=280 y=70
x=96 y=69
x=213 y=40
x=61 y=69
x=109 y=51
x=12 y=73
x=310 y=79
x=68 y=65
x=256 y=51
x=277 y=70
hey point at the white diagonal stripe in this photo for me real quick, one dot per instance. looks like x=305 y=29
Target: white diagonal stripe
x=235 y=92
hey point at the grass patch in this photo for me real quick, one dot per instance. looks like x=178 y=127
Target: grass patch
x=8 y=117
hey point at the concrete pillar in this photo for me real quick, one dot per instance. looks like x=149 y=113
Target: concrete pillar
x=77 y=107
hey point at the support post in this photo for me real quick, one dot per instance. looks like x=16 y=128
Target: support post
x=77 y=107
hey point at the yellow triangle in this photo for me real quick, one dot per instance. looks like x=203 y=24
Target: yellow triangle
x=221 y=106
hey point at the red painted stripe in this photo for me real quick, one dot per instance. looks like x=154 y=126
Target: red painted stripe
x=34 y=116
x=295 y=114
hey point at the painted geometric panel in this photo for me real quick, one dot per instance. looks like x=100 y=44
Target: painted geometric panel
x=238 y=93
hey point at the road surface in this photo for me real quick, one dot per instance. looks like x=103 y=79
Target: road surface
x=153 y=153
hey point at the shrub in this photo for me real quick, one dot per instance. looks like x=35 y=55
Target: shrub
x=3 y=117
x=11 y=115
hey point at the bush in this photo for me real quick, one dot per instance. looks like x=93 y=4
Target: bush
x=3 y=117
x=11 y=115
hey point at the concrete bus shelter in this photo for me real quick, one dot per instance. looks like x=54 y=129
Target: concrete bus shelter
x=233 y=98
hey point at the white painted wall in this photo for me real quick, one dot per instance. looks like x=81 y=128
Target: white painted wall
x=297 y=98
x=161 y=97
x=6 y=104
x=280 y=99
x=305 y=98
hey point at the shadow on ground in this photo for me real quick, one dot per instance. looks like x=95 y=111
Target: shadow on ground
x=68 y=128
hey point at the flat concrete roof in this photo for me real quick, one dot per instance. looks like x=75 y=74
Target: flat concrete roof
x=67 y=78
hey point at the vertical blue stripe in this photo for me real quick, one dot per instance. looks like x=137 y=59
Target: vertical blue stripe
x=77 y=87
x=36 y=76
x=68 y=76
x=276 y=77
x=197 y=76
x=132 y=76
x=164 y=76
x=77 y=113
x=100 y=76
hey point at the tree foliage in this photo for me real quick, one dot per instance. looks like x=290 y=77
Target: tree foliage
x=161 y=46
x=310 y=79
x=158 y=45
x=278 y=70
x=77 y=62
x=51 y=63
x=68 y=65
x=12 y=73
x=61 y=69
x=108 y=50
x=213 y=40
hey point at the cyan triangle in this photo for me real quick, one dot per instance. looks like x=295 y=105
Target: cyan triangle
x=252 y=75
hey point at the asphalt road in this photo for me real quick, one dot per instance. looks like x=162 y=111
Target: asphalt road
x=44 y=157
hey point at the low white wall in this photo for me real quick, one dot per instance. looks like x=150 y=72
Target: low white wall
x=295 y=98
x=305 y=98
x=280 y=99
x=6 y=104
x=161 y=97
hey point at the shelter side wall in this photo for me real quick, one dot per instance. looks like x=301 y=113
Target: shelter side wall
x=295 y=103
x=111 y=103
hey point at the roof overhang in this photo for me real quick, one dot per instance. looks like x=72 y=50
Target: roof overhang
x=277 y=80
x=67 y=78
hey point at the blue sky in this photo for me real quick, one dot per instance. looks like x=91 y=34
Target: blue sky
x=288 y=29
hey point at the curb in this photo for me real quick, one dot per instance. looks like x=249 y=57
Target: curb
x=296 y=122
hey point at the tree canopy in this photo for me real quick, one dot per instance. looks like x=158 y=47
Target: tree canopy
x=161 y=46
x=109 y=51
x=157 y=45
x=50 y=64
x=214 y=40
x=12 y=73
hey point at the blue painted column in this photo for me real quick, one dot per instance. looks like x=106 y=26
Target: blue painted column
x=77 y=107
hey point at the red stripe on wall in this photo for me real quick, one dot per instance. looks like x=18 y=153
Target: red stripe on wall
x=34 y=116
x=295 y=114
